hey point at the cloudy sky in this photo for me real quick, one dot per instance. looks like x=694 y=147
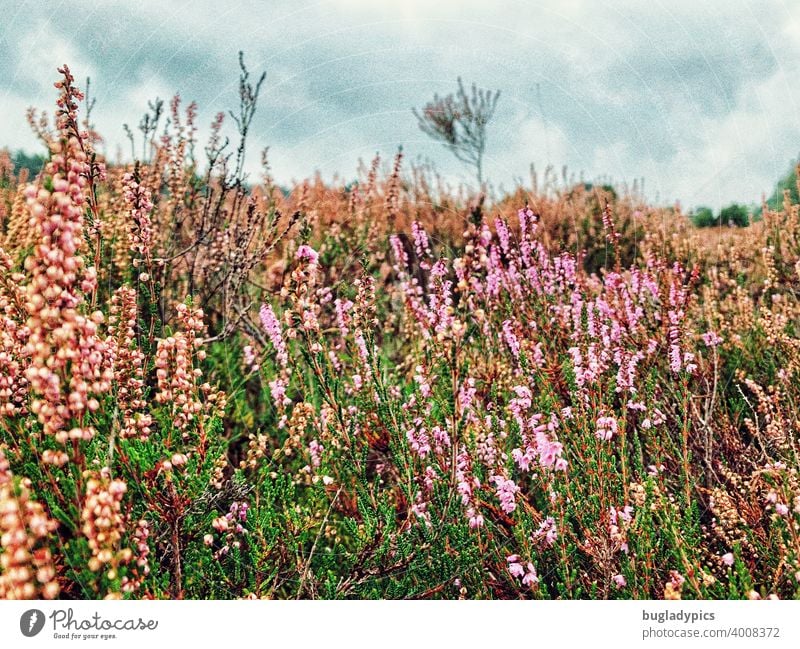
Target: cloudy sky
x=699 y=97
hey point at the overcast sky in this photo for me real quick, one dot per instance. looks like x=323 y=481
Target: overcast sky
x=699 y=97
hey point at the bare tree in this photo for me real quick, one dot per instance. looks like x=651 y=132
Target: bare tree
x=459 y=122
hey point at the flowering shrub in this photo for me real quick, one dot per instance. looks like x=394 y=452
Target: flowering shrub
x=212 y=390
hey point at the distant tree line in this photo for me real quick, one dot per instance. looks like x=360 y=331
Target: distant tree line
x=32 y=162
x=733 y=214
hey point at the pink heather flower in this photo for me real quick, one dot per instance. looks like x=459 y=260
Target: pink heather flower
x=711 y=339
x=606 y=428
x=782 y=509
x=676 y=579
x=240 y=510
x=466 y=395
x=502 y=235
x=475 y=519
x=422 y=382
x=514 y=567
x=272 y=326
x=538 y=355
x=399 y=253
x=420 y=509
x=727 y=559
x=527 y=219
x=250 y=358
x=505 y=489
x=315 y=450
x=547 y=532
x=523 y=460
x=140 y=205
x=310 y=322
x=429 y=479
x=421 y=244
x=530 y=578
x=343 y=315
x=363 y=352
x=550 y=452
x=277 y=389
x=675 y=358
x=419 y=441
x=511 y=338
x=440 y=437
x=307 y=253
x=619 y=581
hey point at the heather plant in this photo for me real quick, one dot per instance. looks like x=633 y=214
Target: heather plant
x=386 y=388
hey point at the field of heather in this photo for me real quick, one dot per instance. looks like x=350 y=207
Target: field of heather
x=213 y=386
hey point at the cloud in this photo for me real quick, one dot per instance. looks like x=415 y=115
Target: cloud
x=696 y=97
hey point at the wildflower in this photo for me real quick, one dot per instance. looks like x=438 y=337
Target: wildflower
x=249 y=358
x=711 y=339
x=315 y=450
x=511 y=338
x=103 y=521
x=27 y=569
x=727 y=559
x=505 y=490
x=307 y=253
x=619 y=581
x=178 y=459
x=606 y=428
x=421 y=243
x=547 y=532
x=420 y=510
x=140 y=205
x=419 y=441
x=128 y=365
x=514 y=566
x=475 y=519
x=130 y=583
x=530 y=578
x=66 y=354
x=177 y=377
x=277 y=388
x=272 y=326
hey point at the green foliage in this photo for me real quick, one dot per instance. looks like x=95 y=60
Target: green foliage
x=735 y=214
x=703 y=217
x=32 y=162
x=787 y=183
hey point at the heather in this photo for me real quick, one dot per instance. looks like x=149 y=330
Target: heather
x=391 y=388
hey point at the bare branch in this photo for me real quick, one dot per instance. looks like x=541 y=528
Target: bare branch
x=459 y=122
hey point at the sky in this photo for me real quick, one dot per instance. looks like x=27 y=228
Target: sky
x=700 y=98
